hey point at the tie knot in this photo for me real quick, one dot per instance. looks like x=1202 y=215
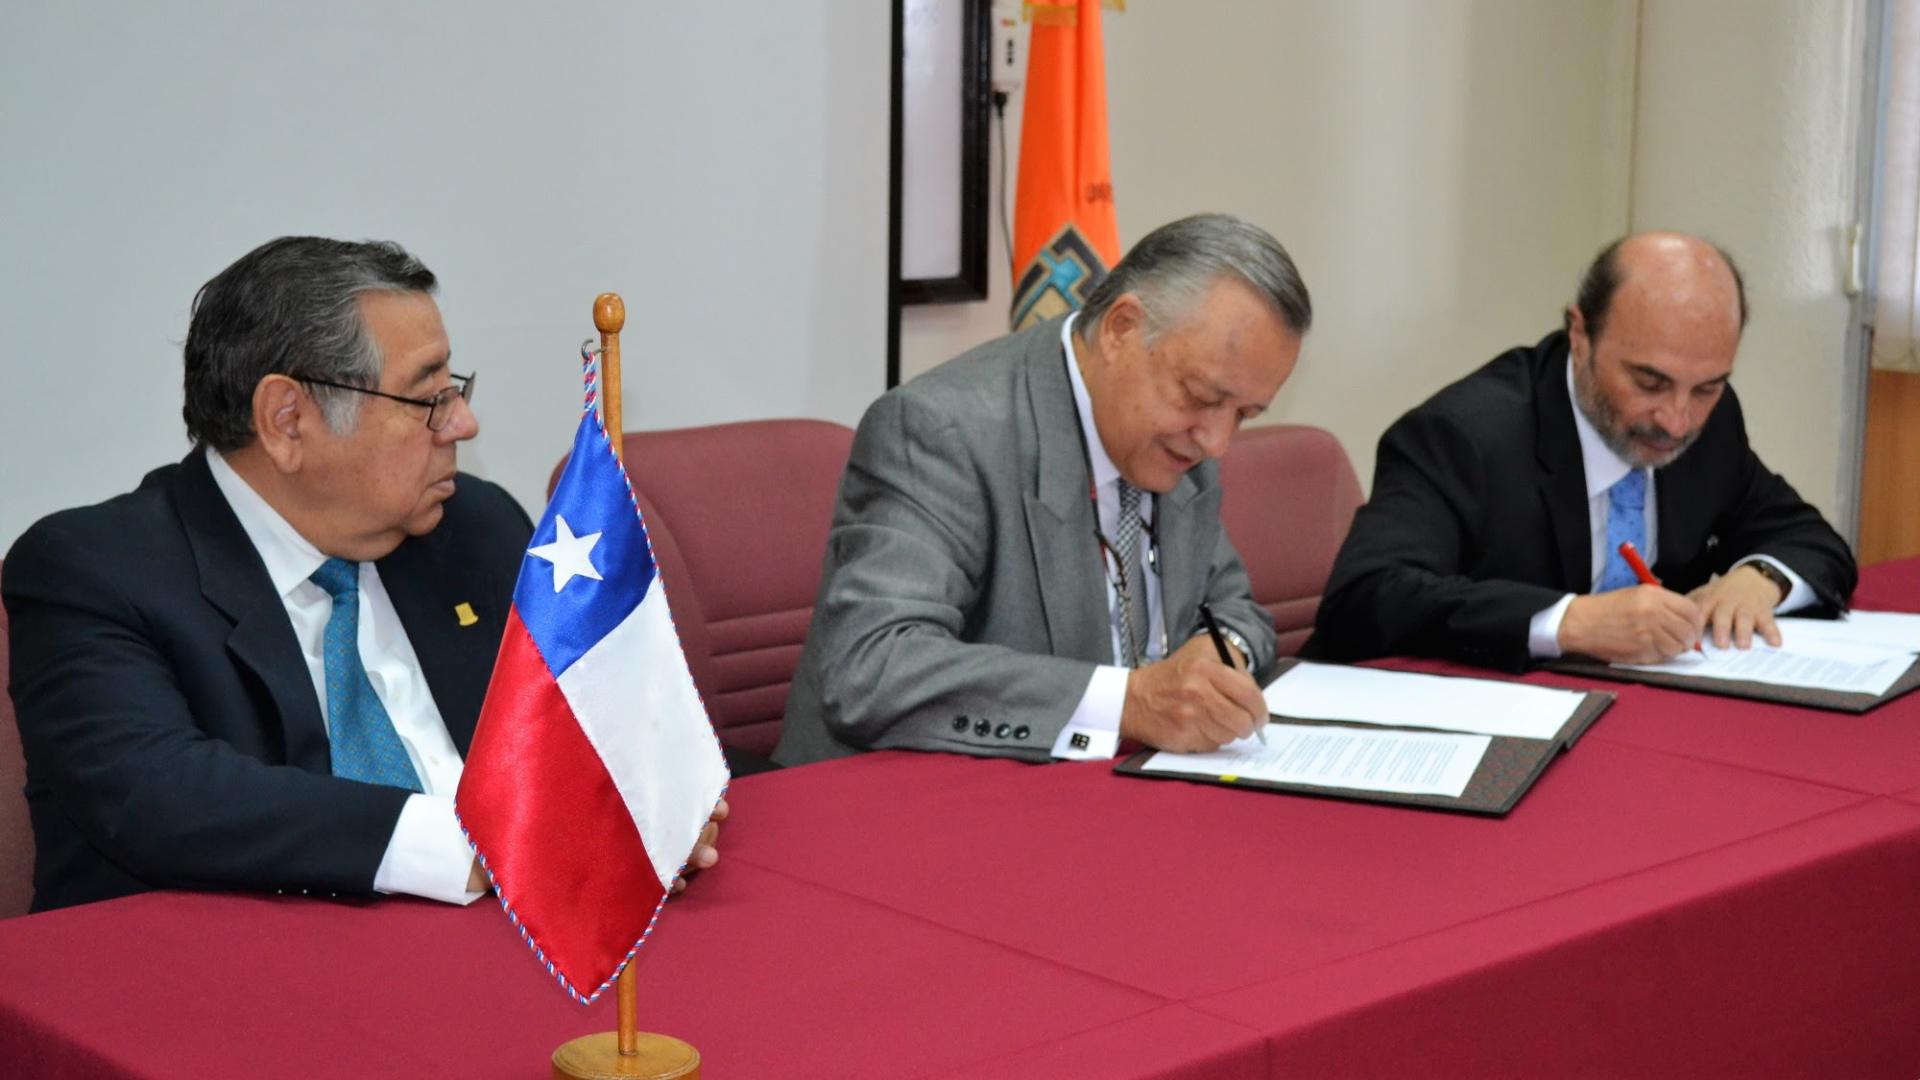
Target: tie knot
x=1129 y=498
x=338 y=576
x=1630 y=490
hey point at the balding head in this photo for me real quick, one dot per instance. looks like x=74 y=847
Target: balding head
x=1651 y=340
x=1675 y=275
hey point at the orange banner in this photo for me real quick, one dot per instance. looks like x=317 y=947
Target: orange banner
x=1064 y=235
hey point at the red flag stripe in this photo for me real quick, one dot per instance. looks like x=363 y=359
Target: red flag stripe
x=594 y=883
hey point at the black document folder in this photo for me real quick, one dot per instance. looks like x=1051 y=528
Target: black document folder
x=1508 y=770
x=1836 y=700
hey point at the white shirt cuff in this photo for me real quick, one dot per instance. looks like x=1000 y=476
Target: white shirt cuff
x=1543 y=630
x=428 y=855
x=1093 y=731
x=1801 y=595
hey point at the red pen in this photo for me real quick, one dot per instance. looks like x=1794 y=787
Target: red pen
x=1639 y=565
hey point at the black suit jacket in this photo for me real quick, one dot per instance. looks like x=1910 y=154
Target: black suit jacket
x=1478 y=520
x=171 y=731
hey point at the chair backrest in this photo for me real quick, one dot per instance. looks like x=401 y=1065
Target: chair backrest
x=738 y=515
x=16 y=831
x=1288 y=498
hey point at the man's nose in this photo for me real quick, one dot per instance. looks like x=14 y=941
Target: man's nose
x=1215 y=433
x=1674 y=417
x=462 y=424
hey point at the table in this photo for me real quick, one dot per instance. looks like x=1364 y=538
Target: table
x=1702 y=887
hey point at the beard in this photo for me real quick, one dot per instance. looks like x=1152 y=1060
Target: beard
x=1620 y=436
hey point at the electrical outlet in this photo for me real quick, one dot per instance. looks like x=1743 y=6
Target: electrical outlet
x=1009 y=48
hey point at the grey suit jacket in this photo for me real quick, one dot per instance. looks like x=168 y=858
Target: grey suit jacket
x=962 y=604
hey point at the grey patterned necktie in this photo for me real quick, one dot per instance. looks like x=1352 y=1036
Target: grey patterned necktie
x=1126 y=545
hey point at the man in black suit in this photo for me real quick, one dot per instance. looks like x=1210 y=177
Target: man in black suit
x=261 y=669
x=1498 y=505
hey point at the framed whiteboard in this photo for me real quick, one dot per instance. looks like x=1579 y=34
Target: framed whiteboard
x=940 y=146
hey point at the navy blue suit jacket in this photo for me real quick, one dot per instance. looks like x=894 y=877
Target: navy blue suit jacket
x=171 y=730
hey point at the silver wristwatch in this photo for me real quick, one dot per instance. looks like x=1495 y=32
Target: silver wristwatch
x=1238 y=642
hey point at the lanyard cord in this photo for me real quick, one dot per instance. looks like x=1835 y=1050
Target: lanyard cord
x=1108 y=555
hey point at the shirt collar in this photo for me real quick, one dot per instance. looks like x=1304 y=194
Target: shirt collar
x=1604 y=468
x=290 y=558
x=1105 y=472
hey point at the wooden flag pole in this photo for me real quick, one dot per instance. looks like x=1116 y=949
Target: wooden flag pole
x=626 y=1053
x=609 y=316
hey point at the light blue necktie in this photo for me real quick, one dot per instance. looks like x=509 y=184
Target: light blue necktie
x=1626 y=523
x=365 y=746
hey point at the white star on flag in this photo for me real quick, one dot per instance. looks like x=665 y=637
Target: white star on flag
x=568 y=554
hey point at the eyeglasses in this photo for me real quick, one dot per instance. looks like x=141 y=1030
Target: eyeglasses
x=439 y=407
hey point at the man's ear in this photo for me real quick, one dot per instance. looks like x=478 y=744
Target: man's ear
x=1124 y=321
x=1578 y=343
x=283 y=415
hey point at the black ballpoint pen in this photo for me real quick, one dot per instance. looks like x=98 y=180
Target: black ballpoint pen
x=1220 y=643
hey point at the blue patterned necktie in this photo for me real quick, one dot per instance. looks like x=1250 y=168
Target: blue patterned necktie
x=1626 y=523
x=364 y=744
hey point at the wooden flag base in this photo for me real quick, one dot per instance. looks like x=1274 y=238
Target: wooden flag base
x=598 y=1057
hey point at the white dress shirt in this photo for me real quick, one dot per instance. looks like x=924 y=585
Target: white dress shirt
x=1098 y=715
x=428 y=855
x=1604 y=468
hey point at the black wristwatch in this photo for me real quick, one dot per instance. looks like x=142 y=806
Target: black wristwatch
x=1772 y=573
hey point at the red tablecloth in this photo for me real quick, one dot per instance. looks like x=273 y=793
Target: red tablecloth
x=1704 y=886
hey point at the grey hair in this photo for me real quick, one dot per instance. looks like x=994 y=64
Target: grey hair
x=289 y=307
x=1173 y=266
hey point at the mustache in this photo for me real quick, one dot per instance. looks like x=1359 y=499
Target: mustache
x=1654 y=433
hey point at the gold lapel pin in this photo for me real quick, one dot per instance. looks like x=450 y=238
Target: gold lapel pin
x=465 y=613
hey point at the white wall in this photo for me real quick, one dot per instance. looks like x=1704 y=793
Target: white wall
x=723 y=166
x=1746 y=131
x=1440 y=170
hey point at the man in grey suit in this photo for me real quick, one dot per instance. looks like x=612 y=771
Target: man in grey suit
x=1025 y=535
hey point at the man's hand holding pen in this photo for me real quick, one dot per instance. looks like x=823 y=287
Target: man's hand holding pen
x=1191 y=702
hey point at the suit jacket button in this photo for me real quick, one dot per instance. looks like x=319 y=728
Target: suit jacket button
x=981 y=727
x=1002 y=731
x=1021 y=732
x=960 y=724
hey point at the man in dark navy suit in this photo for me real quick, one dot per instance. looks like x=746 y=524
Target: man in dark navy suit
x=261 y=669
x=1499 y=506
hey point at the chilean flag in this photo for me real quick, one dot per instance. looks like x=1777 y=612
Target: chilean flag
x=594 y=766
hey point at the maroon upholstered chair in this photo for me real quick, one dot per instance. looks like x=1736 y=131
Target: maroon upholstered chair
x=1288 y=494
x=738 y=515
x=16 y=832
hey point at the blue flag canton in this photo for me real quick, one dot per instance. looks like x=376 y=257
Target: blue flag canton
x=592 y=545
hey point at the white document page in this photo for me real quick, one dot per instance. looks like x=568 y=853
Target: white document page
x=1873 y=629
x=1853 y=669
x=1405 y=762
x=1403 y=698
